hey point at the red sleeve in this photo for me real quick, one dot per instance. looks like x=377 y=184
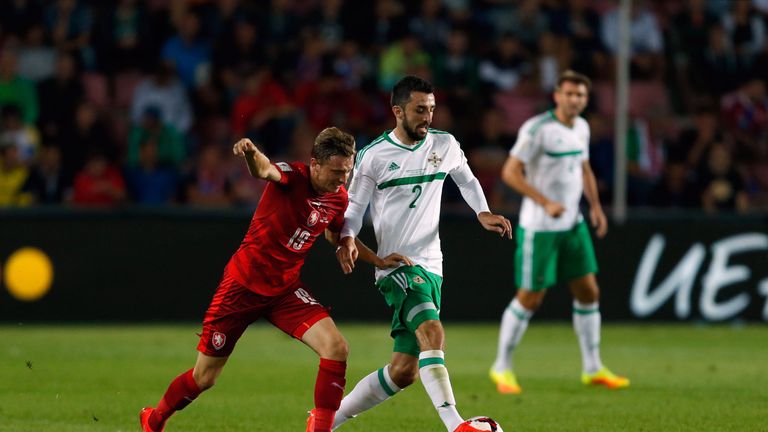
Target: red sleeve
x=338 y=222
x=289 y=172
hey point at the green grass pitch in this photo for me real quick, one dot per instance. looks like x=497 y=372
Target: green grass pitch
x=96 y=378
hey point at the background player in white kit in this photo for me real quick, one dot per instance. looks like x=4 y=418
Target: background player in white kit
x=549 y=165
x=401 y=175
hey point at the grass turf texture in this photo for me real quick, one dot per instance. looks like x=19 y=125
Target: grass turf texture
x=96 y=378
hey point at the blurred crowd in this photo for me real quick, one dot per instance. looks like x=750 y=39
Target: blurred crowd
x=138 y=102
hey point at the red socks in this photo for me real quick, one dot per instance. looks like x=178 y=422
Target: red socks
x=182 y=391
x=329 y=389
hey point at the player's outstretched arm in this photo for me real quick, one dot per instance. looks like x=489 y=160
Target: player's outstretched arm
x=350 y=250
x=258 y=163
x=496 y=223
x=513 y=174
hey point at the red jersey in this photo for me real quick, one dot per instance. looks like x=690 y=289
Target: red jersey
x=289 y=218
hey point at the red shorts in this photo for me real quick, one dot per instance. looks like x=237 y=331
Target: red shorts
x=234 y=307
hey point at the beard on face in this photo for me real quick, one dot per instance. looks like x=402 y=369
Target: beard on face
x=411 y=132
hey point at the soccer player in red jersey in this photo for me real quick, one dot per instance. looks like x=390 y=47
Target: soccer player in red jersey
x=261 y=279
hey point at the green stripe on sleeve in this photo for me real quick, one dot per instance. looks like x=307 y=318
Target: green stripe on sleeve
x=412 y=180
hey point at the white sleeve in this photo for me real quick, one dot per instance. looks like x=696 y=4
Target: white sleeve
x=360 y=192
x=525 y=146
x=470 y=189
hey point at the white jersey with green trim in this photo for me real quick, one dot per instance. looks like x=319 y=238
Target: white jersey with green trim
x=553 y=154
x=404 y=185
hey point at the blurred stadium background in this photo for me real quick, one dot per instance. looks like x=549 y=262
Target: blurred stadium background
x=120 y=202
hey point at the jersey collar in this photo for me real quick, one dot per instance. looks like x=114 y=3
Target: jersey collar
x=397 y=143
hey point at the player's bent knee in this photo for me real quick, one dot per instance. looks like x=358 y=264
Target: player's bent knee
x=205 y=378
x=403 y=375
x=334 y=348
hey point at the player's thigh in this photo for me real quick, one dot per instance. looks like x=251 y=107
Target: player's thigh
x=584 y=288
x=577 y=254
x=536 y=258
x=326 y=340
x=414 y=295
x=231 y=310
x=430 y=335
x=296 y=311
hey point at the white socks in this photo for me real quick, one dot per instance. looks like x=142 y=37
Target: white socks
x=586 y=322
x=434 y=377
x=369 y=392
x=514 y=322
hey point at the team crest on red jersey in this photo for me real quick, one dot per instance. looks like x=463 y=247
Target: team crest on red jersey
x=313 y=218
x=218 y=340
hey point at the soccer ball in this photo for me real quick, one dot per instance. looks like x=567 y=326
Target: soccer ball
x=483 y=423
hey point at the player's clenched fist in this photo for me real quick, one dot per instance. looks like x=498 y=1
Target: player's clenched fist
x=243 y=147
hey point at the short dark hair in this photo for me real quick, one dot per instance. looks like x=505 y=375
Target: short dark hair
x=333 y=141
x=574 y=77
x=401 y=92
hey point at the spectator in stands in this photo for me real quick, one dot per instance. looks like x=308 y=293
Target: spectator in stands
x=688 y=33
x=13 y=175
x=239 y=52
x=149 y=182
x=162 y=90
x=15 y=90
x=379 y=26
x=263 y=112
x=69 y=22
x=745 y=112
x=455 y=70
x=352 y=65
x=722 y=186
x=169 y=143
x=554 y=57
x=430 y=25
x=208 y=185
x=580 y=24
x=401 y=58
x=677 y=187
x=526 y=21
x=47 y=183
x=87 y=136
x=505 y=67
x=61 y=94
x=99 y=183
x=188 y=52
x=123 y=37
x=697 y=140
x=25 y=138
x=36 y=61
x=745 y=28
x=330 y=22
x=718 y=69
x=646 y=41
x=18 y=16
x=488 y=155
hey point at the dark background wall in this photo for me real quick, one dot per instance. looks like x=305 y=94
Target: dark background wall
x=138 y=265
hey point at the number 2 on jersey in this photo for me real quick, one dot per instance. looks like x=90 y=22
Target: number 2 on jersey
x=417 y=190
x=298 y=239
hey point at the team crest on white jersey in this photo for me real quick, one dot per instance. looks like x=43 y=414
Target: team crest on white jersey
x=434 y=159
x=218 y=340
x=313 y=218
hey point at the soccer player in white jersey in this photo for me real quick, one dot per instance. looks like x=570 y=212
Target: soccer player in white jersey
x=549 y=165
x=401 y=175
